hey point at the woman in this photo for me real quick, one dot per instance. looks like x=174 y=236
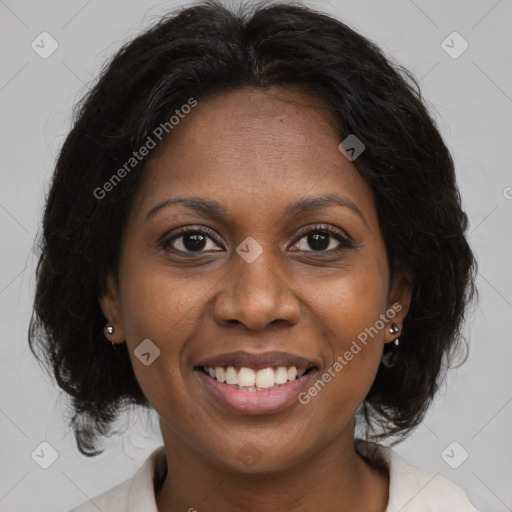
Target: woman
x=254 y=228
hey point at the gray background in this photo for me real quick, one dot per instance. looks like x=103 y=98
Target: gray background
x=471 y=98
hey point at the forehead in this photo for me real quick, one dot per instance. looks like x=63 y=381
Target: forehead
x=255 y=147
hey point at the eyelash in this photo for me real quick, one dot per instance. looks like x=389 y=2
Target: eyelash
x=344 y=240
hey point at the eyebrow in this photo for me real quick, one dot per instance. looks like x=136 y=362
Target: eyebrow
x=215 y=210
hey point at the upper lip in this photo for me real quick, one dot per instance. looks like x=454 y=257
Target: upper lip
x=257 y=361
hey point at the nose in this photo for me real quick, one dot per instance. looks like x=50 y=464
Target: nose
x=256 y=295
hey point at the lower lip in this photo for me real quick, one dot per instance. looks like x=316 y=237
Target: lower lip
x=255 y=402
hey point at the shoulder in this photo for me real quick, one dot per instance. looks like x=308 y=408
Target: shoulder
x=113 y=500
x=134 y=494
x=412 y=489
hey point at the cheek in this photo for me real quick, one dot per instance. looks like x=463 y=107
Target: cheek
x=161 y=308
x=348 y=307
x=351 y=300
x=158 y=305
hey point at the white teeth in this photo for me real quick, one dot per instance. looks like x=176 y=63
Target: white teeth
x=265 y=378
x=246 y=377
x=220 y=374
x=292 y=373
x=231 y=377
x=254 y=380
x=281 y=375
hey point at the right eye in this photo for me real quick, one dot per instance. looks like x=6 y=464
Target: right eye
x=191 y=239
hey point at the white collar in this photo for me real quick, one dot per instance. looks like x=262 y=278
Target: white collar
x=410 y=489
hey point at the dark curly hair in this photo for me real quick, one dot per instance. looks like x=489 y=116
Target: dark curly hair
x=208 y=48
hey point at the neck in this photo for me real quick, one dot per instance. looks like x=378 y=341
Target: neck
x=335 y=479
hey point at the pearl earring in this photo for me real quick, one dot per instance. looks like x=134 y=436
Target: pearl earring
x=395 y=329
x=109 y=330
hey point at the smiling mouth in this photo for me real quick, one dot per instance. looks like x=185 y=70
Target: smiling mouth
x=249 y=379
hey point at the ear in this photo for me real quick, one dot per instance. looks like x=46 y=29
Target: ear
x=399 y=302
x=110 y=305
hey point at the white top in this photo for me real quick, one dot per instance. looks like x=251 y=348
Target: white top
x=410 y=489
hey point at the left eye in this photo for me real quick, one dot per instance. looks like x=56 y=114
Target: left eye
x=321 y=240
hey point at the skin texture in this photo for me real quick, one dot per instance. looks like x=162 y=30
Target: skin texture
x=255 y=152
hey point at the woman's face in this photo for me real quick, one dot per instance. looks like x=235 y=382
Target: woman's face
x=258 y=273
